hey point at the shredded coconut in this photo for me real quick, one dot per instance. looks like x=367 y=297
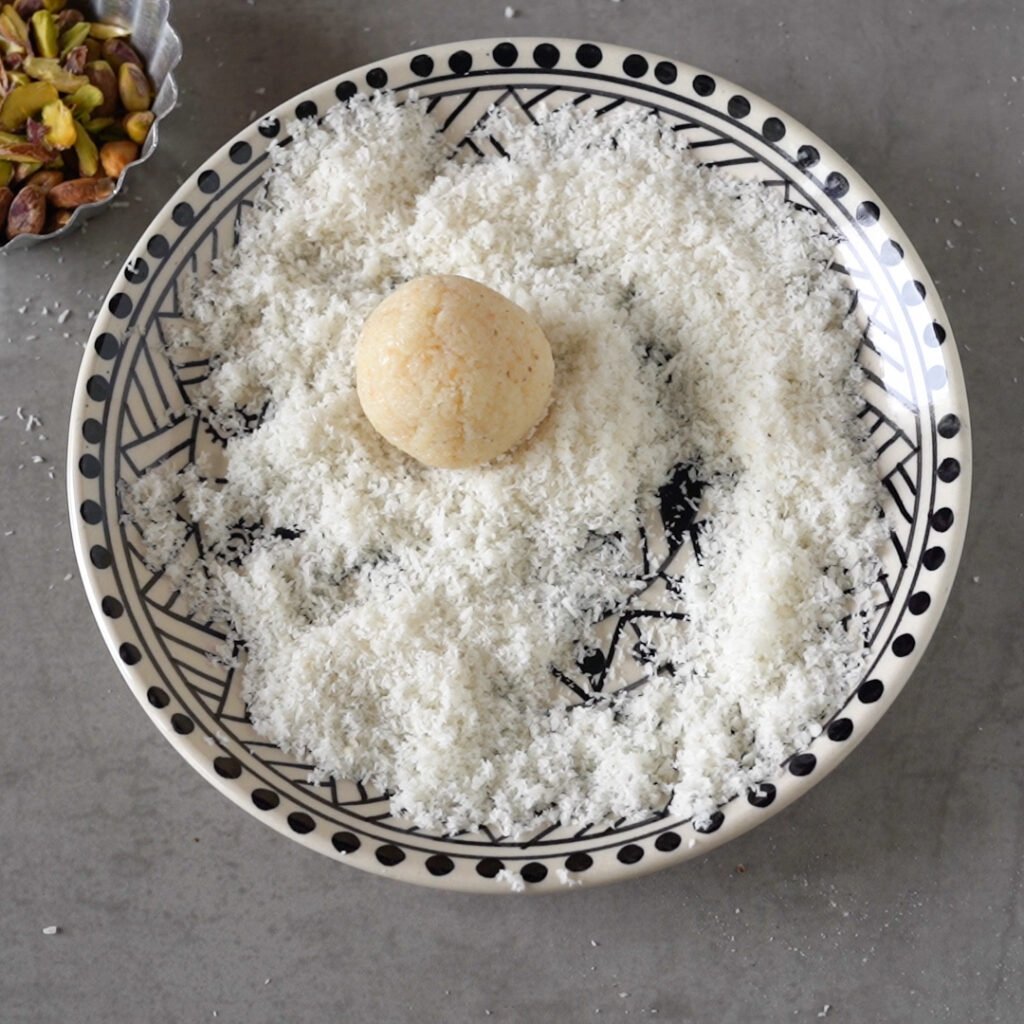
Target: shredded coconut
x=401 y=624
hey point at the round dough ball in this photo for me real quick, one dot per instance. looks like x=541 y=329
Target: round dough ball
x=451 y=372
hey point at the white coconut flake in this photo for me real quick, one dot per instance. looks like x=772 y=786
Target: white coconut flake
x=512 y=879
x=402 y=623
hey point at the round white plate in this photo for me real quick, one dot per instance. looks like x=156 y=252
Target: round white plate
x=129 y=414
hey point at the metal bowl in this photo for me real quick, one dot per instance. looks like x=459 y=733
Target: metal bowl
x=160 y=47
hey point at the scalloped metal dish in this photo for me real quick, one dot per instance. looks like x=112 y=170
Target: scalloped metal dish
x=130 y=411
x=160 y=46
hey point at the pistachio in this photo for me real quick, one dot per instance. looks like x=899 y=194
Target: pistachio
x=66 y=83
x=35 y=131
x=137 y=125
x=44 y=31
x=74 y=36
x=66 y=18
x=23 y=102
x=56 y=219
x=85 y=150
x=27 y=213
x=95 y=125
x=117 y=52
x=48 y=69
x=84 y=100
x=75 y=59
x=24 y=171
x=45 y=180
x=134 y=87
x=115 y=133
x=116 y=156
x=101 y=74
x=26 y=8
x=11 y=58
x=70 y=194
x=24 y=153
x=14 y=29
x=104 y=30
x=60 y=125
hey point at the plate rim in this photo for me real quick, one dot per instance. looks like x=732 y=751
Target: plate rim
x=114 y=635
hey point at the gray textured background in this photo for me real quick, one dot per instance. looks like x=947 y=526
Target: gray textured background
x=891 y=893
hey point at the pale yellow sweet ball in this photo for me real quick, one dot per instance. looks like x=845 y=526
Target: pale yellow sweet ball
x=451 y=372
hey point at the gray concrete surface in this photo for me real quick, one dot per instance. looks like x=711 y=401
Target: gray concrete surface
x=891 y=893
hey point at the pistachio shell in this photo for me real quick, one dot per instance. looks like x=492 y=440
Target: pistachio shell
x=60 y=125
x=44 y=32
x=85 y=150
x=134 y=87
x=46 y=69
x=23 y=102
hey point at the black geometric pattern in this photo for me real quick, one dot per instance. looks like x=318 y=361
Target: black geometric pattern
x=175 y=661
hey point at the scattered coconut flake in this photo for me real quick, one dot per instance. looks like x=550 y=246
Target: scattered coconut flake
x=512 y=879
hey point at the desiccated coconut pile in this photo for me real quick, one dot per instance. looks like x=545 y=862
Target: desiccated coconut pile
x=401 y=622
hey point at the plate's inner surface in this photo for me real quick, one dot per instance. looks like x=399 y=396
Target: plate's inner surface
x=149 y=423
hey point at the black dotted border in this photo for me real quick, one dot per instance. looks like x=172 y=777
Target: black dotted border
x=547 y=56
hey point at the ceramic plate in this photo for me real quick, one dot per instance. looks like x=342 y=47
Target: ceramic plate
x=129 y=415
